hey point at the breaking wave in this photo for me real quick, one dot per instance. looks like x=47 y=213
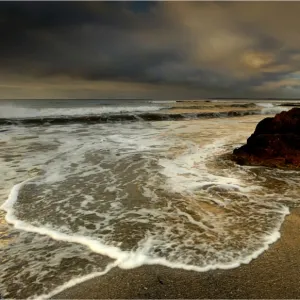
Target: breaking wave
x=136 y=117
x=19 y=112
x=265 y=104
x=15 y=115
x=272 y=110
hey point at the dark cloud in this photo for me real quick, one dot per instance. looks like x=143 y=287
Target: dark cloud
x=162 y=49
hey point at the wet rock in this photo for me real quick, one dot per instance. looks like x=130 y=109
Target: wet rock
x=274 y=143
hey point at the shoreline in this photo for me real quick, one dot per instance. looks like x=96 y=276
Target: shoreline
x=273 y=275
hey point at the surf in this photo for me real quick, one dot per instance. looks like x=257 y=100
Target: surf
x=142 y=194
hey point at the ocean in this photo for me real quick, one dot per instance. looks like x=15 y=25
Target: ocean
x=88 y=185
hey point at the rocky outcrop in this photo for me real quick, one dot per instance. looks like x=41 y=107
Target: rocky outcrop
x=274 y=143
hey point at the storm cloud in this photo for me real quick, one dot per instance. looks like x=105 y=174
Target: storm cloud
x=166 y=50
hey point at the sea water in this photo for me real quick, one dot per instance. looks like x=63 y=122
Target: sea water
x=79 y=199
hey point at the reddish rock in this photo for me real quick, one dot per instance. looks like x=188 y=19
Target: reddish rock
x=274 y=143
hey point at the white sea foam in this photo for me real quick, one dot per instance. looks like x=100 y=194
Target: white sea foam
x=265 y=104
x=94 y=245
x=269 y=108
x=274 y=110
x=188 y=172
x=125 y=260
x=74 y=282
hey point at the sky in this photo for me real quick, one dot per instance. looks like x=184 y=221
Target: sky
x=157 y=50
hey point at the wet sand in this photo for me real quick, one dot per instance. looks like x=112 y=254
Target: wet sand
x=273 y=275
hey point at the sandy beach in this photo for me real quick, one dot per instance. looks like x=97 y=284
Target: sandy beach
x=273 y=275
